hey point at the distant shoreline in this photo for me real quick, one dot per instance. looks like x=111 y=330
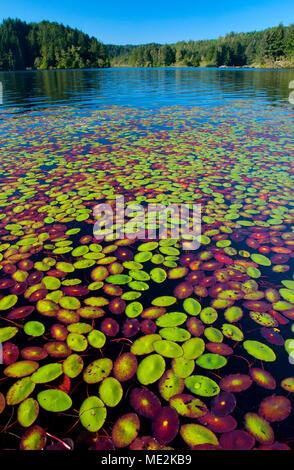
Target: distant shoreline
x=122 y=66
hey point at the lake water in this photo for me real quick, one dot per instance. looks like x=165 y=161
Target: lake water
x=210 y=324
x=89 y=89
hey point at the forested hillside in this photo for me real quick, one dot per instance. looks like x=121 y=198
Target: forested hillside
x=48 y=45
x=274 y=46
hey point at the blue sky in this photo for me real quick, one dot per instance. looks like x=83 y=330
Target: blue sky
x=163 y=21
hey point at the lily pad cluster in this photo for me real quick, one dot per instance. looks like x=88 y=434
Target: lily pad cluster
x=145 y=343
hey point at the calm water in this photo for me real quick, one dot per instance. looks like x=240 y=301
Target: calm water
x=142 y=87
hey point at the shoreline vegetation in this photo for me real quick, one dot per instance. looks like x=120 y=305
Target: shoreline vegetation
x=49 y=45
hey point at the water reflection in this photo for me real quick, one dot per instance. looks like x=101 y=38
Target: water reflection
x=143 y=87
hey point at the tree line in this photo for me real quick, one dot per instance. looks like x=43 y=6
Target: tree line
x=269 y=47
x=48 y=45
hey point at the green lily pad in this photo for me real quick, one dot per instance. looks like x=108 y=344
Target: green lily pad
x=232 y=332
x=259 y=350
x=171 y=319
x=134 y=309
x=287 y=294
x=47 y=373
x=97 y=370
x=175 y=333
x=164 y=301
x=253 y=272
x=261 y=259
x=34 y=328
x=170 y=384
x=195 y=434
x=233 y=314
x=92 y=414
x=71 y=303
x=213 y=334
x=138 y=285
x=27 y=412
x=188 y=406
x=208 y=315
x=8 y=302
x=76 y=342
x=158 y=275
x=201 y=385
x=168 y=348
x=288 y=284
x=150 y=369
x=211 y=361
x=54 y=400
x=131 y=295
x=19 y=391
x=118 y=279
x=21 y=368
x=192 y=306
x=7 y=332
x=110 y=391
x=183 y=367
x=193 y=348
x=73 y=365
x=148 y=246
x=80 y=328
x=139 y=275
x=96 y=339
x=142 y=257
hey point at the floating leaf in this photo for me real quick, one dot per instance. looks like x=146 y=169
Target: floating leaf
x=144 y=344
x=34 y=439
x=47 y=373
x=174 y=334
x=150 y=369
x=201 y=385
x=261 y=259
x=193 y=348
x=192 y=306
x=158 y=275
x=7 y=332
x=259 y=350
x=21 y=368
x=73 y=365
x=110 y=391
x=171 y=319
x=188 y=406
x=164 y=301
x=167 y=348
x=125 y=430
x=211 y=361
x=8 y=302
x=27 y=412
x=97 y=370
x=54 y=400
x=19 y=391
x=195 y=434
x=34 y=328
x=92 y=413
